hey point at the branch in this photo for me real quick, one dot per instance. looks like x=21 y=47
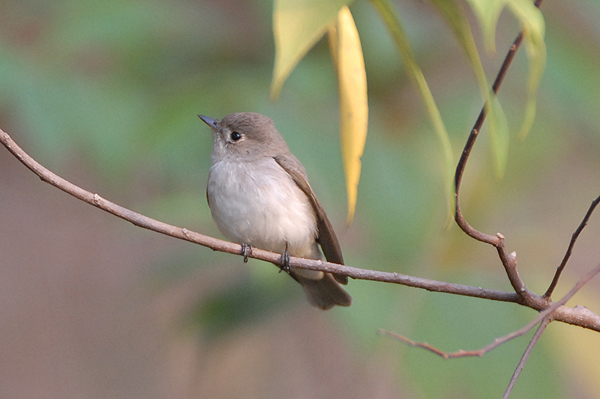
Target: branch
x=509 y=261
x=579 y=316
x=546 y=314
x=574 y=238
x=528 y=350
x=232 y=248
x=547 y=318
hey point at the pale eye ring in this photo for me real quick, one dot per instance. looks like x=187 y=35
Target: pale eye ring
x=235 y=136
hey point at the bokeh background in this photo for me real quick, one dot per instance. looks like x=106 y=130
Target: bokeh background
x=105 y=93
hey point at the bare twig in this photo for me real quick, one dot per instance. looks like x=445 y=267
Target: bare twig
x=509 y=261
x=548 y=317
x=548 y=313
x=462 y=163
x=574 y=237
x=579 y=316
x=526 y=354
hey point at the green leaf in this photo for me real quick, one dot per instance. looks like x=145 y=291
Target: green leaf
x=487 y=12
x=532 y=21
x=397 y=31
x=534 y=30
x=530 y=17
x=497 y=119
x=498 y=128
x=297 y=26
x=457 y=19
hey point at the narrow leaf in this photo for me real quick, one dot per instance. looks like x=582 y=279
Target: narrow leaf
x=537 y=59
x=497 y=119
x=499 y=136
x=532 y=21
x=487 y=12
x=534 y=29
x=457 y=19
x=354 y=111
x=397 y=31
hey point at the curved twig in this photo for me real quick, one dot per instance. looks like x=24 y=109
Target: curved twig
x=464 y=157
x=509 y=261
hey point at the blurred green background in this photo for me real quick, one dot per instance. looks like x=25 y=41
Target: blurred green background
x=106 y=94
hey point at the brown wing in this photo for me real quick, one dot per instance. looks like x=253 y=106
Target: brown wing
x=326 y=235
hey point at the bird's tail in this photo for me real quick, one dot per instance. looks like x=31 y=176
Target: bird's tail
x=323 y=293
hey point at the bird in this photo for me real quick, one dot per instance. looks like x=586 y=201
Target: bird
x=259 y=196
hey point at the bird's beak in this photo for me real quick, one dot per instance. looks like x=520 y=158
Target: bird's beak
x=209 y=121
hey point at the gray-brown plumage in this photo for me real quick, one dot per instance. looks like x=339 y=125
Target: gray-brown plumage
x=259 y=194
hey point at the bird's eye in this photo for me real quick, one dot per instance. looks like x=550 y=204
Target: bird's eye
x=235 y=136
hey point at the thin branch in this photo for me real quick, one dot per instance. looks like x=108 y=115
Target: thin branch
x=579 y=316
x=574 y=238
x=526 y=354
x=464 y=157
x=548 y=317
x=509 y=261
x=547 y=313
x=462 y=163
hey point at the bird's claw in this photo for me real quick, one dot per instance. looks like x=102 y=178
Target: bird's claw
x=284 y=261
x=246 y=251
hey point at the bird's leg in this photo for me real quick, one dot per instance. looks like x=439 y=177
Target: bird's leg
x=246 y=251
x=284 y=260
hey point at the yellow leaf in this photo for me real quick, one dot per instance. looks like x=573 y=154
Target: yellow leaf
x=354 y=110
x=297 y=26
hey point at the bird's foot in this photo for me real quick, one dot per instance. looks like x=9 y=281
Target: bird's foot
x=246 y=251
x=284 y=261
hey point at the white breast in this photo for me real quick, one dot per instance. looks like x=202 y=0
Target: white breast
x=259 y=204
